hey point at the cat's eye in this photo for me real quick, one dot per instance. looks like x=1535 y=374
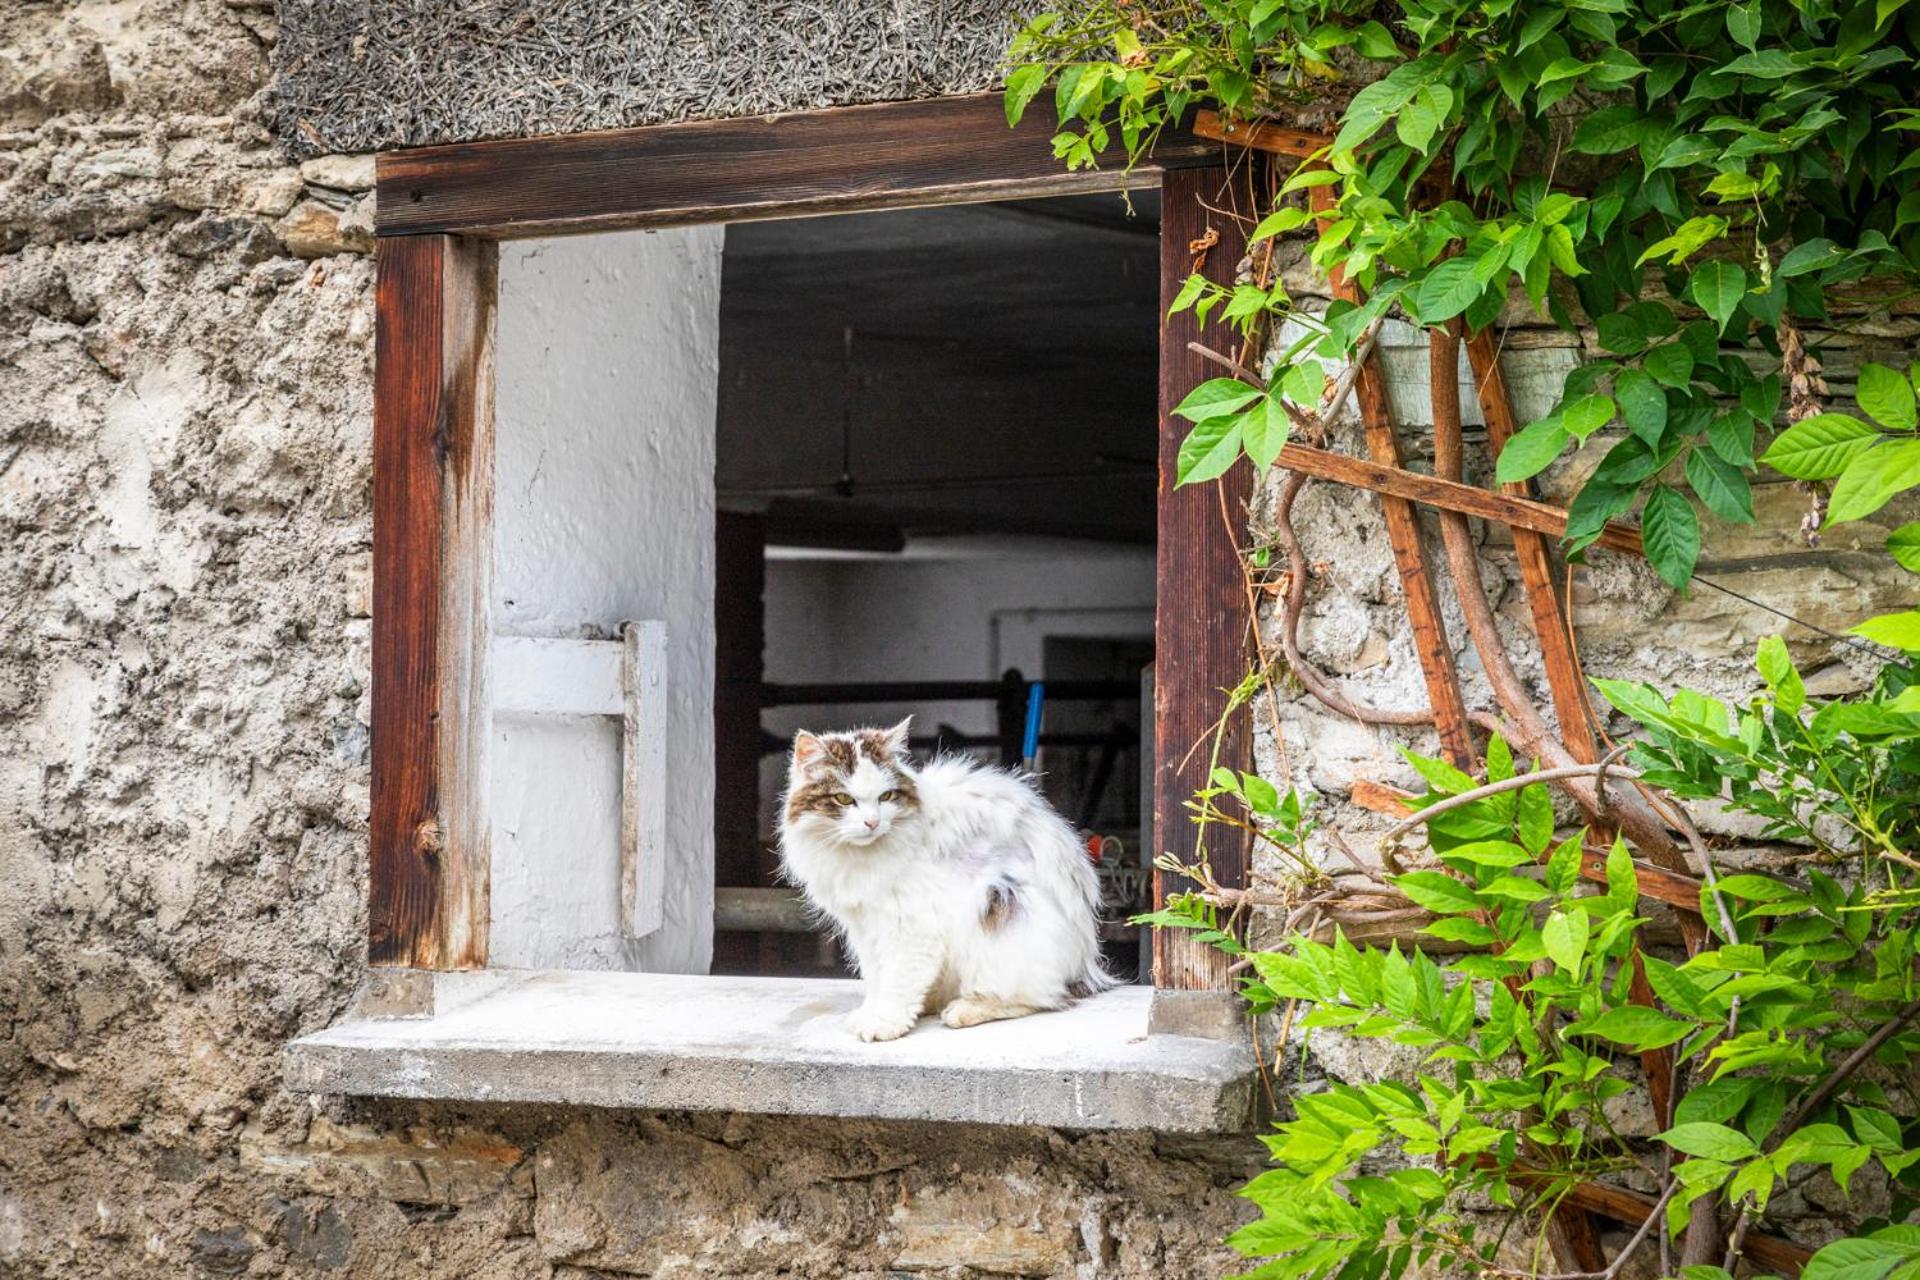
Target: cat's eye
x=842 y=799
x=888 y=796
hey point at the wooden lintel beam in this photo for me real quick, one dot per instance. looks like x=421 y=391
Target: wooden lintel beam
x=887 y=155
x=1397 y=482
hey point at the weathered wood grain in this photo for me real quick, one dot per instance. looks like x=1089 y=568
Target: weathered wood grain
x=1449 y=495
x=1200 y=627
x=890 y=155
x=428 y=900
x=1271 y=138
x=1565 y=680
x=643 y=778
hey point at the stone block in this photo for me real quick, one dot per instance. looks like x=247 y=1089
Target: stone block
x=340 y=172
x=272 y=195
x=312 y=230
x=420 y=1166
x=985 y=1227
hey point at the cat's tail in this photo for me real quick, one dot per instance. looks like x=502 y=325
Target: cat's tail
x=1095 y=980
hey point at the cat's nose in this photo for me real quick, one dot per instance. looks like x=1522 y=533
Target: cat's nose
x=872 y=823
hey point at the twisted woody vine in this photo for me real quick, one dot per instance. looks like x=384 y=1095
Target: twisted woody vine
x=1698 y=184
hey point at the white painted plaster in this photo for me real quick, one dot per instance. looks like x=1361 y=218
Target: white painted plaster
x=608 y=368
x=947 y=609
x=934 y=616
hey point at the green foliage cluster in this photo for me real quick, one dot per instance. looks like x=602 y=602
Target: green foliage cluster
x=1530 y=1034
x=1695 y=179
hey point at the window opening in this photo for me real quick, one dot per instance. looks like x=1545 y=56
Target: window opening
x=935 y=480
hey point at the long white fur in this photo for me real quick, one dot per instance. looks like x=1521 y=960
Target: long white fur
x=909 y=889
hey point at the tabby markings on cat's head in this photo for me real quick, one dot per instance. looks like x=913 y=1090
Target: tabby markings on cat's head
x=851 y=787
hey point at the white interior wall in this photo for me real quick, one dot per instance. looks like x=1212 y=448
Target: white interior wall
x=948 y=609
x=604 y=500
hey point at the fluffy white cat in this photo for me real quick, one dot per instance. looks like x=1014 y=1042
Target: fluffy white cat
x=957 y=886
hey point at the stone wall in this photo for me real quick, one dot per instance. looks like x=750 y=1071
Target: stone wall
x=185 y=407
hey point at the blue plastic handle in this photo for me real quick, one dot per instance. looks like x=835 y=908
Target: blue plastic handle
x=1036 y=698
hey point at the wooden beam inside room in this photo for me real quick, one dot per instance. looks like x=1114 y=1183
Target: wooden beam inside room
x=740 y=633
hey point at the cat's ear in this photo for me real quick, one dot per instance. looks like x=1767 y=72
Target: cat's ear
x=806 y=749
x=896 y=737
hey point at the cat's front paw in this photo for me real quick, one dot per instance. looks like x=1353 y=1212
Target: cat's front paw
x=880 y=1024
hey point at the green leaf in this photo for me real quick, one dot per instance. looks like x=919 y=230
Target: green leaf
x=1895 y=630
x=1587 y=415
x=1023 y=86
x=1687 y=149
x=1196 y=285
x=1710 y=1141
x=1563 y=69
x=1643 y=404
x=1621 y=333
x=1814 y=255
x=1279 y=222
x=1609 y=129
x=1374 y=41
x=1623 y=882
x=1438 y=892
x=1670 y=534
x=1418 y=121
x=1530 y=450
x=1873 y=477
x=1565 y=937
x=1670 y=364
x=1370 y=109
x=1448 y=290
x=1782 y=677
x=1216 y=398
x=1460 y=929
x=1877 y=1129
x=1533 y=815
x=1209 y=449
x=1730 y=436
x=1263 y=431
x=1903 y=544
x=1634 y=1027
x=1713 y=1100
x=1820 y=447
x=1723 y=488
x=1687 y=239
x=1743 y=23
x=1866 y=1259
x=1768 y=64
x=1518 y=888
x=1753 y=1182
x=1717 y=288
x=1563 y=868
x=1886 y=396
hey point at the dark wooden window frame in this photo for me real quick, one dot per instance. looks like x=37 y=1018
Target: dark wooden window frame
x=441 y=212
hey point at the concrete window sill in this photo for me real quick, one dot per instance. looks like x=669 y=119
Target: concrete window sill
x=774 y=1045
